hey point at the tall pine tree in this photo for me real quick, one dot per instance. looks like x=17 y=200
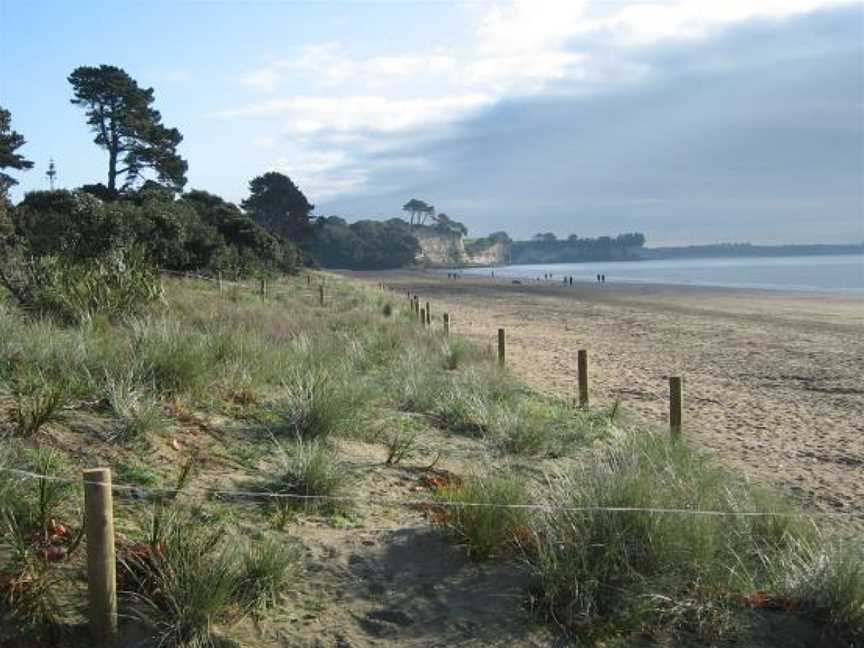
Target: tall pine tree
x=10 y=141
x=128 y=127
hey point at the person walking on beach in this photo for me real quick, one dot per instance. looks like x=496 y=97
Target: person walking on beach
x=602 y=278
x=571 y=280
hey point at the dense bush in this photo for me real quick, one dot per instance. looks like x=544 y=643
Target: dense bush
x=364 y=244
x=199 y=231
x=116 y=284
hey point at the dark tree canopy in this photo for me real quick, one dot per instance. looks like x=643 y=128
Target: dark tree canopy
x=363 y=245
x=128 y=127
x=277 y=204
x=10 y=141
x=419 y=210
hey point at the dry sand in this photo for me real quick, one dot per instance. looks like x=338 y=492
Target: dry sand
x=773 y=380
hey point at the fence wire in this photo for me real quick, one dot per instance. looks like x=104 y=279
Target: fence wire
x=140 y=492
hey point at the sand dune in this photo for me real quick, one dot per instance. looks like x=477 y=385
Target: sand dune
x=773 y=381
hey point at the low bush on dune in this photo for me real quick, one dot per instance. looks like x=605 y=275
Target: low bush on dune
x=114 y=285
x=482 y=512
x=197 y=578
x=311 y=474
x=601 y=571
x=320 y=402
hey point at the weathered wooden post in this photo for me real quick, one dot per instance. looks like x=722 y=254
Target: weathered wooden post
x=502 y=350
x=582 y=361
x=101 y=561
x=219 y=280
x=423 y=317
x=263 y=288
x=676 y=405
x=428 y=314
x=321 y=294
x=446 y=317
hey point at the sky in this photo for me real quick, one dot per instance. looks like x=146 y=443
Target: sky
x=692 y=121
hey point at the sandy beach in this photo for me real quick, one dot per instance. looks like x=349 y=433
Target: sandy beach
x=772 y=379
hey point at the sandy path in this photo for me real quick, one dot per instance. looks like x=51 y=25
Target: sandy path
x=773 y=381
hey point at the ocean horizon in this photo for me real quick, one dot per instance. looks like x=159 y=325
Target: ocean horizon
x=842 y=273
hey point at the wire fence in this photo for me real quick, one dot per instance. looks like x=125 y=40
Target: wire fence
x=141 y=492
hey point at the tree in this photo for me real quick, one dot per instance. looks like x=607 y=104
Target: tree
x=277 y=204
x=447 y=224
x=128 y=127
x=545 y=237
x=10 y=141
x=419 y=211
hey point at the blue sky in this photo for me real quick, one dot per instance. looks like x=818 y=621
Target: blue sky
x=691 y=121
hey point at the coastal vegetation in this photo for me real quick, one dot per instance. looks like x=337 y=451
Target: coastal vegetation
x=249 y=424
x=194 y=391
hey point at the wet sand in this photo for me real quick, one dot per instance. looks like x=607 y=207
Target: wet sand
x=773 y=380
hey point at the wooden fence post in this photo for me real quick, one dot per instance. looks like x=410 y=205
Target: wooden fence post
x=583 y=378
x=321 y=294
x=101 y=565
x=263 y=288
x=502 y=350
x=428 y=314
x=676 y=405
x=423 y=317
x=446 y=323
x=219 y=279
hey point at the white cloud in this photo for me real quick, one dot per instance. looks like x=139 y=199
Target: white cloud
x=519 y=48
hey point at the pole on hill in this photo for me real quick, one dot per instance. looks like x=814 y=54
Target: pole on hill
x=582 y=361
x=101 y=559
x=502 y=347
x=676 y=405
x=446 y=323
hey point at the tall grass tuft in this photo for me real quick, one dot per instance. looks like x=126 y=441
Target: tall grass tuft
x=265 y=569
x=320 y=403
x=311 y=472
x=37 y=401
x=640 y=569
x=187 y=585
x=136 y=412
x=488 y=528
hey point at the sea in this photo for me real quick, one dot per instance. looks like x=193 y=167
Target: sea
x=830 y=273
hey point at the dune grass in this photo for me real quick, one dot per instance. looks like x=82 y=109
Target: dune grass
x=312 y=377
x=601 y=572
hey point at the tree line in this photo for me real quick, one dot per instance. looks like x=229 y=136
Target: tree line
x=142 y=202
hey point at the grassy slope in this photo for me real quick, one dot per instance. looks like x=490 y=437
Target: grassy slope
x=287 y=396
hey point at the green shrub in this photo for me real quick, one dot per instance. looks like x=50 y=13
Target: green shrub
x=486 y=531
x=311 y=471
x=137 y=413
x=176 y=360
x=598 y=569
x=187 y=584
x=36 y=403
x=320 y=402
x=115 y=285
x=401 y=443
x=826 y=581
x=265 y=569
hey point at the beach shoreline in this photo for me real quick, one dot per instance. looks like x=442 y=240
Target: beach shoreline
x=772 y=378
